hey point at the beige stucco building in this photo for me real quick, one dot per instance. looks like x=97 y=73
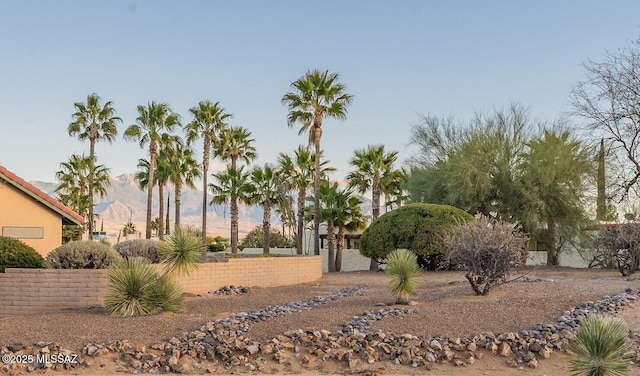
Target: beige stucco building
x=34 y=217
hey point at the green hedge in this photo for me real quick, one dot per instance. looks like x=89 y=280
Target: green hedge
x=145 y=248
x=417 y=227
x=16 y=254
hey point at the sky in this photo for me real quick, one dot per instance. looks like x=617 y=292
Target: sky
x=399 y=59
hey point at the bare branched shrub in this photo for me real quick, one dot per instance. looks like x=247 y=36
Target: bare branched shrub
x=618 y=246
x=488 y=250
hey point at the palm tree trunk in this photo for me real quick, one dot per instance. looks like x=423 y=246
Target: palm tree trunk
x=266 y=226
x=161 y=211
x=234 y=225
x=92 y=143
x=331 y=242
x=316 y=195
x=205 y=170
x=177 y=201
x=375 y=213
x=302 y=196
x=552 y=253
x=167 y=227
x=339 y=248
x=152 y=166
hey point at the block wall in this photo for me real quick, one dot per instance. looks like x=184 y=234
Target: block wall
x=24 y=291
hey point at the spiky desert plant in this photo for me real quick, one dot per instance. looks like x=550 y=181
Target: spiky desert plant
x=166 y=295
x=182 y=251
x=600 y=348
x=130 y=285
x=403 y=268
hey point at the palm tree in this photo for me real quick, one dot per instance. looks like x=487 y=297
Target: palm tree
x=329 y=211
x=183 y=170
x=77 y=178
x=349 y=219
x=209 y=119
x=153 y=120
x=297 y=171
x=232 y=186
x=266 y=192
x=235 y=143
x=162 y=175
x=94 y=122
x=372 y=167
x=316 y=95
x=392 y=186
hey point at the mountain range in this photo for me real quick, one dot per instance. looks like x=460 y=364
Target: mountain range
x=124 y=201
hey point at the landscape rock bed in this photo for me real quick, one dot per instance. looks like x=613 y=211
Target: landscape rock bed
x=224 y=343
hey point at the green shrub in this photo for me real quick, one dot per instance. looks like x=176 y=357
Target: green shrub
x=417 y=227
x=166 y=295
x=131 y=288
x=403 y=268
x=600 y=348
x=182 y=251
x=84 y=254
x=255 y=238
x=16 y=254
x=145 y=248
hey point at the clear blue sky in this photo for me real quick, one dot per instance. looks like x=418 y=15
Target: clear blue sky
x=398 y=58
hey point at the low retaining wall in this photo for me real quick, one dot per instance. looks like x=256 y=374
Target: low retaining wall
x=34 y=290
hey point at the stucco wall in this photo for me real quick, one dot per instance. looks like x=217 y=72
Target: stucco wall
x=35 y=290
x=18 y=209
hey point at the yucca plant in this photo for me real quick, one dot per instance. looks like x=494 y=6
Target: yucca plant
x=182 y=251
x=403 y=268
x=166 y=295
x=600 y=348
x=131 y=282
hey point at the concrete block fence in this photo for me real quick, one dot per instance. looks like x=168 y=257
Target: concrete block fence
x=25 y=291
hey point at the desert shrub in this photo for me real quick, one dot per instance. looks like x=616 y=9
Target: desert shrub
x=417 y=227
x=488 y=250
x=600 y=348
x=16 y=254
x=217 y=244
x=131 y=288
x=166 y=295
x=618 y=246
x=84 y=254
x=182 y=251
x=403 y=268
x=255 y=238
x=146 y=248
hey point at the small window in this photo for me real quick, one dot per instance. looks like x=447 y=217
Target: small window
x=23 y=232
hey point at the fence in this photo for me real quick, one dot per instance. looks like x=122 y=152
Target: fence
x=34 y=290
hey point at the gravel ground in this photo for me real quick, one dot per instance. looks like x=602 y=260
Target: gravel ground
x=445 y=305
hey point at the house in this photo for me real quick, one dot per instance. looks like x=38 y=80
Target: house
x=31 y=215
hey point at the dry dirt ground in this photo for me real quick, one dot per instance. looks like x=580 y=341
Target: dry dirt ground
x=445 y=305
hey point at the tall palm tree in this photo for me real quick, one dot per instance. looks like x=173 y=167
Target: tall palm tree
x=230 y=187
x=77 y=178
x=235 y=143
x=372 y=166
x=298 y=172
x=316 y=95
x=153 y=120
x=209 y=119
x=161 y=178
x=95 y=122
x=183 y=170
x=266 y=192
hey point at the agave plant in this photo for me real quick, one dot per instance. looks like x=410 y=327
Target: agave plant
x=130 y=283
x=600 y=348
x=182 y=251
x=403 y=268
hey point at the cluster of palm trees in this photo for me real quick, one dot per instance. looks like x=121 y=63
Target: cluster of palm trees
x=315 y=96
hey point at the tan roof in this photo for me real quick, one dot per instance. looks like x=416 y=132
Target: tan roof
x=40 y=196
